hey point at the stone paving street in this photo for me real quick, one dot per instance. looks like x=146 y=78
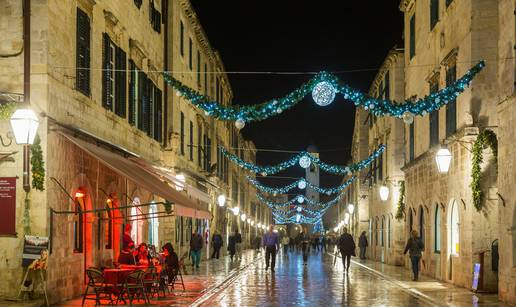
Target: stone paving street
x=321 y=283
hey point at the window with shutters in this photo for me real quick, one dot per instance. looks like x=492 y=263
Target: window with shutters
x=191 y=141
x=114 y=77
x=158 y=115
x=199 y=145
x=380 y=168
x=412 y=37
x=434 y=116
x=208 y=153
x=152 y=103
x=190 y=54
x=451 y=106
x=434 y=13
x=154 y=17
x=133 y=94
x=182 y=134
x=181 y=38
x=82 y=80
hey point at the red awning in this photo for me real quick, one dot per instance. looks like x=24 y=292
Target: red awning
x=147 y=179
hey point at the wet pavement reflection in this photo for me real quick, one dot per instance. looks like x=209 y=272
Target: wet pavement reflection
x=320 y=283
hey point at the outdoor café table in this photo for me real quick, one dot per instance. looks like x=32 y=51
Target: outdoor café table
x=115 y=277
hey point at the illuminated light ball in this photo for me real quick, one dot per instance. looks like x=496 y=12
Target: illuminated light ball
x=299 y=209
x=264 y=174
x=274 y=102
x=437 y=100
x=323 y=93
x=300 y=199
x=301 y=185
x=239 y=124
x=279 y=110
x=408 y=118
x=371 y=106
x=179 y=94
x=304 y=162
x=423 y=113
x=298 y=218
x=207 y=113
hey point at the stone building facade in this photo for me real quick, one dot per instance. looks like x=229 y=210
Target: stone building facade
x=110 y=131
x=386 y=233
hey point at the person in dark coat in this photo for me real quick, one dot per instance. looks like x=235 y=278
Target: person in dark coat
x=347 y=248
x=414 y=246
x=217 y=244
x=363 y=244
x=232 y=246
x=196 y=248
x=304 y=240
x=126 y=254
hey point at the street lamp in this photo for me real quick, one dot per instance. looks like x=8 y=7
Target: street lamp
x=443 y=159
x=243 y=216
x=351 y=208
x=221 y=200
x=346 y=218
x=384 y=192
x=236 y=210
x=24 y=124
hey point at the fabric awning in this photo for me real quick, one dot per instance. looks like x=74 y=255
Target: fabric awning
x=149 y=180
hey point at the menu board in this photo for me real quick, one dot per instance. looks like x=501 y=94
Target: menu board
x=7 y=205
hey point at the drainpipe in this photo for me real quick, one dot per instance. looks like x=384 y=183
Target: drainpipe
x=26 y=88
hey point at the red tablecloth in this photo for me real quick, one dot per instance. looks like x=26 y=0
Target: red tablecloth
x=116 y=276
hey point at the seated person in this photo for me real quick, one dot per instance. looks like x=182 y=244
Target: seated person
x=142 y=255
x=126 y=256
x=171 y=260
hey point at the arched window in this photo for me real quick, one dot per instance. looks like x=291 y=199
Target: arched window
x=78 y=222
x=153 y=226
x=437 y=229
x=454 y=229
x=382 y=231
x=422 y=224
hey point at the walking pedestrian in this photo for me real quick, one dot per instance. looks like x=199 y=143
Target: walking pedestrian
x=347 y=248
x=414 y=246
x=232 y=246
x=271 y=243
x=238 y=244
x=363 y=244
x=195 y=249
x=304 y=240
x=285 y=242
x=217 y=244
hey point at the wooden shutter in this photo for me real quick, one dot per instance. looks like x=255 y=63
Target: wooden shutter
x=141 y=100
x=132 y=93
x=82 y=81
x=106 y=71
x=158 y=115
x=121 y=83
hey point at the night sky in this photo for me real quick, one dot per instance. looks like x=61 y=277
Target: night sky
x=292 y=36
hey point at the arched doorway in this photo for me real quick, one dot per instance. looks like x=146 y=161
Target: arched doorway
x=136 y=221
x=453 y=236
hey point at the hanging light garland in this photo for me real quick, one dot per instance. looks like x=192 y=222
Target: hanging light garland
x=324 y=87
x=296 y=199
x=303 y=156
x=301 y=184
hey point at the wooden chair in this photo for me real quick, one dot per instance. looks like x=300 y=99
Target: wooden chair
x=133 y=287
x=101 y=290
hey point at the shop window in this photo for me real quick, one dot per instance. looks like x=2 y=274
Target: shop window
x=453 y=237
x=422 y=224
x=437 y=229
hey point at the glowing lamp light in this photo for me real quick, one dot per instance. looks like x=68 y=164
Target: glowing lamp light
x=249 y=220
x=264 y=227
x=180 y=183
x=335 y=229
x=236 y=210
x=305 y=161
x=79 y=194
x=323 y=93
x=239 y=123
x=300 y=199
x=24 y=124
x=242 y=217
x=252 y=223
x=259 y=225
x=301 y=184
x=384 y=193
x=298 y=218
x=346 y=218
x=351 y=208
x=221 y=200
x=275 y=230
x=299 y=209
x=443 y=160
